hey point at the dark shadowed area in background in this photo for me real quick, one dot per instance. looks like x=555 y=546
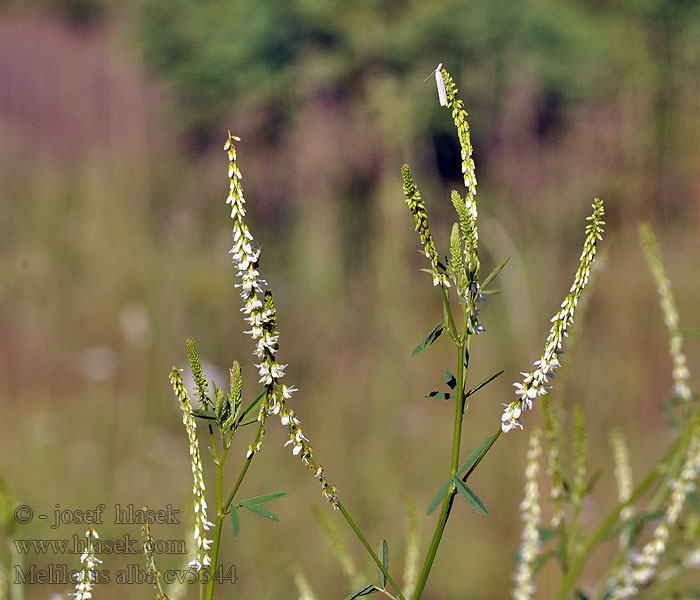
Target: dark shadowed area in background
x=115 y=240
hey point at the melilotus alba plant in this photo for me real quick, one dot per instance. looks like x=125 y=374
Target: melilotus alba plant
x=462 y=292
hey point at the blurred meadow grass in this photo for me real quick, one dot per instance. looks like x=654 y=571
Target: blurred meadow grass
x=114 y=249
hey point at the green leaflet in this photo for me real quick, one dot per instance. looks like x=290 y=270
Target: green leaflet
x=383 y=555
x=471 y=498
x=259 y=510
x=442 y=395
x=364 y=591
x=473 y=456
x=265 y=498
x=253 y=504
x=429 y=339
x=438 y=498
x=250 y=414
x=235 y=522
x=486 y=381
x=493 y=274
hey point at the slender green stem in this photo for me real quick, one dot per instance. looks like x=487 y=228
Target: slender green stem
x=369 y=549
x=227 y=505
x=435 y=542
x=454 y=465
x=218 y=526
x=222 y=509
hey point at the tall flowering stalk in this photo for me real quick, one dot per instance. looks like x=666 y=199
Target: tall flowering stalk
x=262 y=317
x=623 y=476
x=88 y=576
x=535 y=383
x=531 y=514
x=201 y=522
x=153 y=574
x=681 y=374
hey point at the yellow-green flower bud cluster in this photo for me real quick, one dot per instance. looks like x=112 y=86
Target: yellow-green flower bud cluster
x=417 y=208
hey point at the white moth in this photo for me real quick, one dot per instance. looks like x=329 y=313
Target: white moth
x=442 y=93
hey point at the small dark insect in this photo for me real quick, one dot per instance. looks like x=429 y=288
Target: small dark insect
x=256 y=257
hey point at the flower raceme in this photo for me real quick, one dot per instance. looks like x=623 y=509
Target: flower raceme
x=261 y=315
x=534 y=383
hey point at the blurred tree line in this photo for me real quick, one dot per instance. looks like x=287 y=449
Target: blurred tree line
x=231 y=57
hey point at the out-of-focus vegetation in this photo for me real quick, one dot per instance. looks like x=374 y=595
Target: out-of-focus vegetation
x=115 y=237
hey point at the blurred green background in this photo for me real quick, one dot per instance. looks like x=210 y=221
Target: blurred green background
x=115 y=240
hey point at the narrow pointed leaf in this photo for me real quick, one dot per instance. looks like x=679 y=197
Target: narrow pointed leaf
x=497 y=269
x=383 y=555
x=486 y=381
x=259 y=510
x=592 y=481
x=442 y=395
x=203 y=414
x=473 y=456
x=429 y=339
x=265 y=498
x=364 y=591
x=471 y=498
x=489 y=292
x=438 y=498
x=235 y=522
x=450 y=380
x=250 y=414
